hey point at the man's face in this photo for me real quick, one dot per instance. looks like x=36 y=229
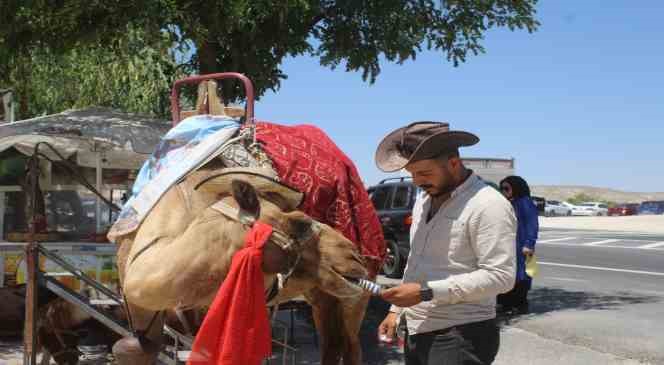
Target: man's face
x=433 y=176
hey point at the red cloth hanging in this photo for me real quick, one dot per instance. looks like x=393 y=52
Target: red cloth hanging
x=236 y=329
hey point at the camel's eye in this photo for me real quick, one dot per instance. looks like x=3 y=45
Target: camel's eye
x=300 y=228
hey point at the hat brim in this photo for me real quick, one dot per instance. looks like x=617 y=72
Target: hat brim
x=262 y=182
x=389 y=159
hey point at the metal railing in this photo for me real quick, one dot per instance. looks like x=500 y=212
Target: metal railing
x=36 y=280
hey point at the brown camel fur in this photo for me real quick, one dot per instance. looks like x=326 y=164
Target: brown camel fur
x=181 y=253
x=194 y=247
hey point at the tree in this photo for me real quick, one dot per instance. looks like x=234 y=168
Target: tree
x=583 y=197
x=254 y=36
x=129 y=75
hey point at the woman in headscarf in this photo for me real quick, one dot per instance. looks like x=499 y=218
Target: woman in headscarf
x=517 y=191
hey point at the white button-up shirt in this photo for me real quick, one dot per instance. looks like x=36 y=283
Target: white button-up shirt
x=465 y=253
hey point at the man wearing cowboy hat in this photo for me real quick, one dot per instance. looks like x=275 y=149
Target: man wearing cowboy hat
x=462 y=250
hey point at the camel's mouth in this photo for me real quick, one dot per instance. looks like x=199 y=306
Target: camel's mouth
x=363 y=284
x=346 y=285
x=351 y=279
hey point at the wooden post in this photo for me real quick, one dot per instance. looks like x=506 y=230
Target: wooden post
x=2 y=217
x=208 y=101
x=32 y=271
x=31 y=289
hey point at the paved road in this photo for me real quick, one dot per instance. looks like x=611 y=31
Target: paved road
x=603 y=261
x=599 y=299
x=600 y=291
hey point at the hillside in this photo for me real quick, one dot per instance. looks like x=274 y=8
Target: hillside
x=564 y=192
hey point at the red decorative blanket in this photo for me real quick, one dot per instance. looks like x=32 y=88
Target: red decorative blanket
x=306 y=159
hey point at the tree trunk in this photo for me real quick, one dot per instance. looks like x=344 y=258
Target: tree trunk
x=207 y=57
x=208 y=63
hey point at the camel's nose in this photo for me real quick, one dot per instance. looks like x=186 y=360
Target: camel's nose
x=353 y=266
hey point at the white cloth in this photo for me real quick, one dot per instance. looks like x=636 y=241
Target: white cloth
x=185 y=148
x=465 y=253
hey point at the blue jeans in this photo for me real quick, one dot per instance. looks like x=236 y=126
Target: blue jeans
x=468 y=344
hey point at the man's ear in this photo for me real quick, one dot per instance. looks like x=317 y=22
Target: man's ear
x=246 y=197
x=454 y=162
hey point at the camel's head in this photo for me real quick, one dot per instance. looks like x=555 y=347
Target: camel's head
x=315 y=254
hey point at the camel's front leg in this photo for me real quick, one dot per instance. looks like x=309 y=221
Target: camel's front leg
x=338 y=323
x=326 y=311
x=144 y=348
x=352 y=315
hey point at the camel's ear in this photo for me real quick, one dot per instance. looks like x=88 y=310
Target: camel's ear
x=246 y=197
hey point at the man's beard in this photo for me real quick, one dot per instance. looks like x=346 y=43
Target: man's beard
x=446 y=186
x=441 y=190
x=444 y=190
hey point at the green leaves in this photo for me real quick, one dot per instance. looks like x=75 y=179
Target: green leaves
x=128 y=74
x=129 y=52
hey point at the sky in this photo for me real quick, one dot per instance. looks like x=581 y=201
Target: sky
x=578 y=102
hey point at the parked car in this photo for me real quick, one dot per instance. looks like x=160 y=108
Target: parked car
x=394 y=199
x=540 y=203
x=652 y=207
x=574 y=208
x=592 y=209
x=555 y=208
x=624 y=209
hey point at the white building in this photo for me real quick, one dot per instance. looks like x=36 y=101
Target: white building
x=490 y=169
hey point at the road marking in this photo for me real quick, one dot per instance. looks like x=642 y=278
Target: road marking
x=597 y=243
x=566 y=279
x=602 y=268
x=652 y=292
x=605 y=246
x=652 y=245
x=557 y=240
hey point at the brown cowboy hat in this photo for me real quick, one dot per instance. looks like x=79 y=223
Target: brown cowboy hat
x=263 y=180
x=419 y=141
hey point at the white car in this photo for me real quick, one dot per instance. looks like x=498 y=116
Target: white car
x=592 y=209
x=572 y=207
x=555 y=208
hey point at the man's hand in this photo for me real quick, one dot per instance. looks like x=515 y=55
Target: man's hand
x=404 y=295
x=527 y=251
x=388 y=328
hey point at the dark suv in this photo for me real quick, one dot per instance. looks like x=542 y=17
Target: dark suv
x=394 y=199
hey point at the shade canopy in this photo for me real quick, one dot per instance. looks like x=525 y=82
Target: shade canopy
x=123 y=140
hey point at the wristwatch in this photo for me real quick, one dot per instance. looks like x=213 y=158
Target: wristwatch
x=426 y=293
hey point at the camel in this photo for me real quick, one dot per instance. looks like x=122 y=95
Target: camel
x=181 y=252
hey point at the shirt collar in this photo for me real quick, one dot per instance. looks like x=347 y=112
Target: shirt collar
x=466 y=185
x=470 y=181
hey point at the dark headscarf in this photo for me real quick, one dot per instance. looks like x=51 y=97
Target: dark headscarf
x=519 y=186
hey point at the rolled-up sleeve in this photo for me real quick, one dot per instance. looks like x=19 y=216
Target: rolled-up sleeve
x=492 y=236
